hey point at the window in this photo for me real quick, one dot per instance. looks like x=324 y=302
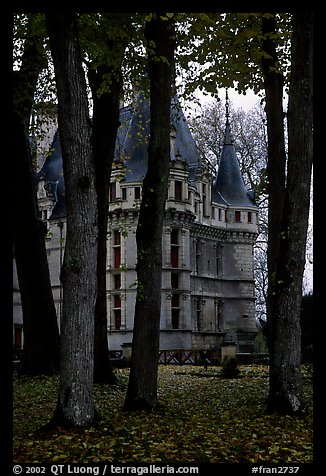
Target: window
x=204 y=200
x=237 y=216
x=117 y=301
x=175 y=316
x=124 y=193
x=175 y=311
x=219 y=321
x=219 y=214
x=117 y=257
x=112 y=191
x=174 y=257
x=175 y=248
x=175 y=280
x=218 y=258
x=218 y=314
x=178 y=190
x=174 y=236
x=249 y=217
x=117 y=319
x=117 y=237
x=116 y=249
x=175 y=300
x=137 y=193
x=117 y=281
x=197 y=255
x=198 y=314
x=117 y=311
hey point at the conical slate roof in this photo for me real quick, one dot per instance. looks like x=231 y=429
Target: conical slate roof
x=229 y=188
x=133 y=138
x=131 y=149
x=185 y=144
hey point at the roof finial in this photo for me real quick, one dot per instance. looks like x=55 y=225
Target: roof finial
x=227 y=135
x=227 y=112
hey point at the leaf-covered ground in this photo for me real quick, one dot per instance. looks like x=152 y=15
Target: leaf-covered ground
x=203 y=418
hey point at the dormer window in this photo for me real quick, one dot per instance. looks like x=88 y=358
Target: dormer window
x=113 y=191
x=178 y=190
x=137 y=193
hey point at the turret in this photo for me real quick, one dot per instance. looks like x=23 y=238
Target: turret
x=229 y=188
x=229 y=191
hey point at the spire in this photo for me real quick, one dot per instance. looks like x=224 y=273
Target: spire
x=227 y=112
x=227 y=134
x=229 y=188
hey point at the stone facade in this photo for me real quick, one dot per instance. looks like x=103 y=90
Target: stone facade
x=207 y=275
x=207 y=286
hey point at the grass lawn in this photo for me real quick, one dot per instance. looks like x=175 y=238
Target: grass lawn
x=203 y=419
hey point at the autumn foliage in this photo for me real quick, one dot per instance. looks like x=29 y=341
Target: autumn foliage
x=202 y=418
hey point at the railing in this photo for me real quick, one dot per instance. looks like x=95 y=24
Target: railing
x=189 y=357
x=179 y=357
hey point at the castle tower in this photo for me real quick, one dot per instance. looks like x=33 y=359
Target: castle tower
x=210 y=226
x=241 y=226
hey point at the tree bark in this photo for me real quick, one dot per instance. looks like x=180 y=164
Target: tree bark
x=41 y=333
x=142 y=387
x=276 y=163
x=104 y=132
x=79 y=276
x=285 y=393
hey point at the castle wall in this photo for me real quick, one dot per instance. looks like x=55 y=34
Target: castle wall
x=207 y=261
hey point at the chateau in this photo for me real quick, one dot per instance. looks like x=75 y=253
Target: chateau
x=210 y=226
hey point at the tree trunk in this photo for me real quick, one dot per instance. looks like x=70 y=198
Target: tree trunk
x=104 y=132
x=75 y=401
x=41 y=333
x=285 y=392
x=276 y=171
x=142 y=387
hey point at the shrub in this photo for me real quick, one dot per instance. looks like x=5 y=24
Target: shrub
x=229 y=368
